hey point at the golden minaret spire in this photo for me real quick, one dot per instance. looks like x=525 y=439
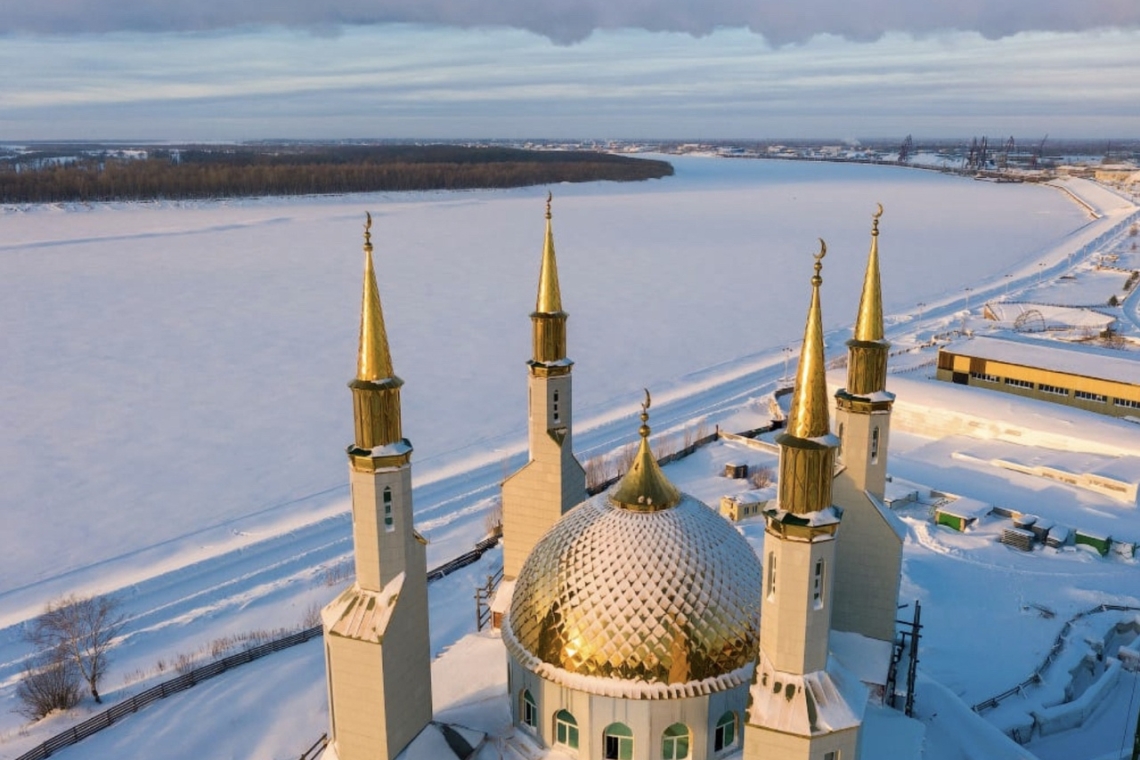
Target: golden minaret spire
x=808 y=418
x=548 y=319
x=807 y=449
x=867 y=350
x=645 y=487
x=374 y=361
x=376 y=388
x=869 y=323
x=549 y=299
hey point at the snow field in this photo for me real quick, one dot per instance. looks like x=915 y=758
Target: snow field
x=178 y=343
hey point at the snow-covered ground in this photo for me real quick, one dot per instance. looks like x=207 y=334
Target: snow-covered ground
x=142 y=453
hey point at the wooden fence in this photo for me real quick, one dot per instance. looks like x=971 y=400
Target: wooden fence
x=114 y=714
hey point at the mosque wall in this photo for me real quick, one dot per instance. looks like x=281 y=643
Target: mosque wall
x=775 y=745
x=869 y=562
x=646 y=719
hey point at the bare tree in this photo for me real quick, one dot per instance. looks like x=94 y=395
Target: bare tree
x=51 y=683
x=761 y=477
x=79 y=630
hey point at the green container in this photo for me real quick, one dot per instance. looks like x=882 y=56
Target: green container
x=1099 y=543
x=957 y=522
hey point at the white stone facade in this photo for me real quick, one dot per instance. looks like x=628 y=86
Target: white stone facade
x=711 y=723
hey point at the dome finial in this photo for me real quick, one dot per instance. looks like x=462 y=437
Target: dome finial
x=644 y=429
x=368 y=231
x=645 y=488
x=816 y=280
x=549 y=198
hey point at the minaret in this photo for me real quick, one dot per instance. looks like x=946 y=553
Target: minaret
x=870 y=557
x=377 y=653
x=552 y=481
x=799 y=707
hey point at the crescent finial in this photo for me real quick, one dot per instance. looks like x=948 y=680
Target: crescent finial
x=822 y=250
x=648 y=401
x=368 y=229
x=549 y=198
x=878 y=212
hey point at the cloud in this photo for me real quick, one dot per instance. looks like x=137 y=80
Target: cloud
x=570 y=21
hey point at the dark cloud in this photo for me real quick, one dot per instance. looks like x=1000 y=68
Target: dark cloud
x=569 y=21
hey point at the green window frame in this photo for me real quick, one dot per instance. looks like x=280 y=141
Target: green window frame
x=724 y=735
x=617 y=742
x=565 y=729
x=529 y=710
x=675 y=742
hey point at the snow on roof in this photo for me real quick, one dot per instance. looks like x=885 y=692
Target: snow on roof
x=1068 y=316
x=936 y=409
x=890 y=517
x=1125 y=469
x=756 y=495
x=361 y=614
x=812 y=703
x=963 y=506
x=1085 y=362
x=817 y=519
x=395 y=449
x=868 y=659
x=502 y=601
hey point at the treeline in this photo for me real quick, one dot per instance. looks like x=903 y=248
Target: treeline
x=229 y=172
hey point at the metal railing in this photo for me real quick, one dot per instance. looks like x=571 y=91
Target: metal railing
x=1054 y=651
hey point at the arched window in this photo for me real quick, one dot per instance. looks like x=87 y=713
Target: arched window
x=725 y=734
x=617 y=741
x=389 y=523
x=565 y=729
x=771 y=575
x=528 y=710
x=554 y=407
x=675 y=743
x=875 y=445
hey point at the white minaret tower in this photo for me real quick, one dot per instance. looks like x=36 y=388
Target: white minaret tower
x=553 y=481
x=800 y=706
x=377 y=650
x=869 y=559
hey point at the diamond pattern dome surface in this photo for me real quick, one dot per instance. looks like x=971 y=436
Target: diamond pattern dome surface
x=662 y=597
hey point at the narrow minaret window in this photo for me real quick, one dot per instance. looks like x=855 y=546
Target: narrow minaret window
x=554 y=407
x=817 y=585
x=875 y=445
x=839 y=449
x=389 y=523
x=771 y=575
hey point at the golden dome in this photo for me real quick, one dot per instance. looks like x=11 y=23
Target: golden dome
x=665 y=597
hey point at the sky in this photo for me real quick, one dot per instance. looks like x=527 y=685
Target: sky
x=685 y=69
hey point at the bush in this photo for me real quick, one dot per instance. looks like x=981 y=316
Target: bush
x=52 y=683
x=761 y=477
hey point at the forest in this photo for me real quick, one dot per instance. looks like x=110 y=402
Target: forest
x=51 y=174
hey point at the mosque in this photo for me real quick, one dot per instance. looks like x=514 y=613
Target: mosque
x=638 y=623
